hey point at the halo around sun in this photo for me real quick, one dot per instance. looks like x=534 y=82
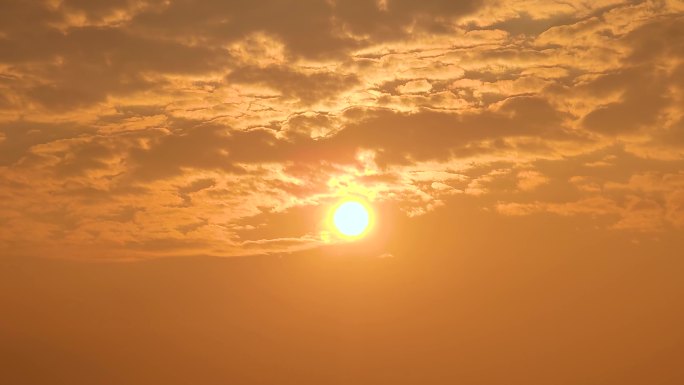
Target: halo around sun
x=351 y=218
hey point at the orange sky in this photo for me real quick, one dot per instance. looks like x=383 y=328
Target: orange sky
x=524 y=159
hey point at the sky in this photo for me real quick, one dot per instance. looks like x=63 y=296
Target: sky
x=167 y=169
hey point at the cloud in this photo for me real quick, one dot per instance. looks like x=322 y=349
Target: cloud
x=165 y=128
x=648 y=202
x=415 y=86
x=20 y=136
x=529 y=180
x=307 y=87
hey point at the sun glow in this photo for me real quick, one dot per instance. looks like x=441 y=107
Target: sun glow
x=351 y=218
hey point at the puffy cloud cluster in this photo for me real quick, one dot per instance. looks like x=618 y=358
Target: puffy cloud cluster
x=149 y=128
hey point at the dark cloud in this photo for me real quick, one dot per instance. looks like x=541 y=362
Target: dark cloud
x=20 y=136
x=292 y=223
x=307 y=87
x=643 y=83
x=524 y=24
x=660 y=39
x=366 y=17
x=306 y=30
x=88 y=64
x=199 y=147
x=196 y=186
x=100 y=10
x=674 y=135
x=399 y=138
x=312 y=28
x=431 y=135
x=191 y=226
x=82 y=157
x=643 y=97
x=126 y=214
x=19 y=17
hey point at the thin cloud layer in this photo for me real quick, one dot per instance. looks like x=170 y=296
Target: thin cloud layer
x=133 y=129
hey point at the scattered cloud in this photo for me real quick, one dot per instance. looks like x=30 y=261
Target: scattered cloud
x=151 y=128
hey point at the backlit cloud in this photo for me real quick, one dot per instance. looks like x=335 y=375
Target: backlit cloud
x=151 y=128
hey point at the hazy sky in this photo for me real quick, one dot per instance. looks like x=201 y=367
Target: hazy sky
x=524 y=159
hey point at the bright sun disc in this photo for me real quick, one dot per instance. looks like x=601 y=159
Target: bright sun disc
x=351 y=218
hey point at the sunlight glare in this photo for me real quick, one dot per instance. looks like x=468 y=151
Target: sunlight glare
x=351 y=218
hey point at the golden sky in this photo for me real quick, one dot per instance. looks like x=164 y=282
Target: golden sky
x=506 y=148
x=135 y=129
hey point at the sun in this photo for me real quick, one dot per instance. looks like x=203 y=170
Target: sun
x=351 y=218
